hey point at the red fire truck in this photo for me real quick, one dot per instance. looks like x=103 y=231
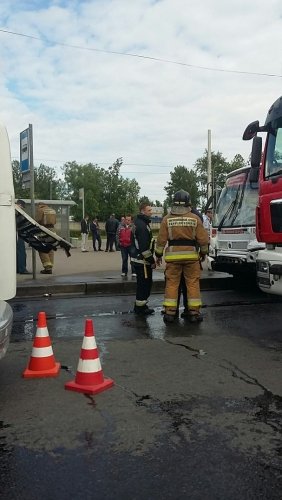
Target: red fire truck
x=266 y=169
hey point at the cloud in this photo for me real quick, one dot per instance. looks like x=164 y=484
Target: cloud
x=94 y=106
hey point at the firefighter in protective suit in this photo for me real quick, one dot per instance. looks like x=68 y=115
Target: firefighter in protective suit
x=46 y=217
x=185 y=242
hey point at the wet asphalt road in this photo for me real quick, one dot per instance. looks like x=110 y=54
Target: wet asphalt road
x=195 y=412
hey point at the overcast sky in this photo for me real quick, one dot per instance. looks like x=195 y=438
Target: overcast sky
x=93 y=106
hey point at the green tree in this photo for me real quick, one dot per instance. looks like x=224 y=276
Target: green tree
x=120 y=195
x=17 y=178
x=128 y=203
x=105 y=190
x=145 y=199
x=182 y=178
x=238 y=162
x=46 y=183
x=220 y=168
x=90 y=177
x=166 y=206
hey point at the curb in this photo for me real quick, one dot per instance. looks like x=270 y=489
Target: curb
x=114 y=288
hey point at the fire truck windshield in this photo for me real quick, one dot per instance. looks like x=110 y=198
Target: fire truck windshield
x=237 y=203
x=273 y=163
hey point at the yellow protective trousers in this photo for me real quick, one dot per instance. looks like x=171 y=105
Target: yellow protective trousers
x=191 y=272
x=47 y=259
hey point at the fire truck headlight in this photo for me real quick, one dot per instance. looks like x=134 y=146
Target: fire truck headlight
x=263 y=267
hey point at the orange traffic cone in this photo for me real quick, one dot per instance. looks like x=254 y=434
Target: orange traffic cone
x=42 y=362
x=89 y=376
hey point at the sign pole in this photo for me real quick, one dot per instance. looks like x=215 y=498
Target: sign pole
x=27 y=171
x=210 y=187
x=31 y=166
x=81 y=197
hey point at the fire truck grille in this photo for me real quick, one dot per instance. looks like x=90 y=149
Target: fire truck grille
x=276 y=217
x=233 y=245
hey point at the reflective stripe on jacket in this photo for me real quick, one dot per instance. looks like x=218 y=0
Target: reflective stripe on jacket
x=181 y=236
x=143 y=249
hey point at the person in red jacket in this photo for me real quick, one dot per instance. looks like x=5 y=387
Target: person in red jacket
x=124 y=242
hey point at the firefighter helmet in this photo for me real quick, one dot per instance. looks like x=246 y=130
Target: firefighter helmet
x=182 y=198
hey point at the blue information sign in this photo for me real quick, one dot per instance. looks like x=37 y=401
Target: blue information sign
x=24 y=151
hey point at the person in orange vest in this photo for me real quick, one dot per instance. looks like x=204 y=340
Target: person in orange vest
x=184 y=241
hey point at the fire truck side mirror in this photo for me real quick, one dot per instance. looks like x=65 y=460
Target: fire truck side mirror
x=255 y=159
x=251 y=130
x=254 y=174
x=256 y=152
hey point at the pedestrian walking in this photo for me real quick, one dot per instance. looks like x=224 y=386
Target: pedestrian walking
x=125 y=243
x=185 y=242
x=21 y=250
x=93 y=229
x=96 y=235
x=111 y=227
x=84 y=224
x=143 y=259
x=46 y=216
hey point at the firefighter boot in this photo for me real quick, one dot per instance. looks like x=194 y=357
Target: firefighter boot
x=176 y=316
x=143 y=310
x=185 y=314
x=195 y=317
x=47 y=270
x=169 y=318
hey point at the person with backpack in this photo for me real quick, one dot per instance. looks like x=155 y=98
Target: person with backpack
x=46 y=216
x=124 y=242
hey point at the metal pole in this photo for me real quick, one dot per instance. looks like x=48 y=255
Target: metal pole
x=209 y=181
x=31 y=166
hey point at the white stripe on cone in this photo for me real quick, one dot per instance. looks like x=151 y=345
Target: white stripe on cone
x=42 y=352
x=42 y=332
x=89 y=365
x=89 y=343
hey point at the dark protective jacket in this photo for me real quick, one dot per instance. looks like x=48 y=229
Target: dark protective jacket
x=143 y=241
x=84 y=226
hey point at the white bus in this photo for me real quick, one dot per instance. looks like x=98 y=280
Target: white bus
x=7 y=241
x=234 y=247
